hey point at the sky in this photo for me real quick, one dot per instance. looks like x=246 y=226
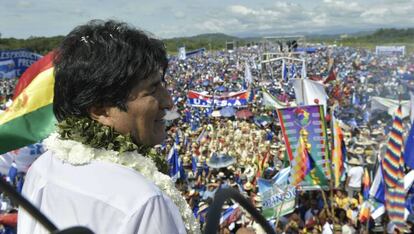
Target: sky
x=176 y=18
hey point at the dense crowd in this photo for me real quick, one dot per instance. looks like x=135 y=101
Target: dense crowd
x=258 y=149
x=253 y=143
x=6 y=92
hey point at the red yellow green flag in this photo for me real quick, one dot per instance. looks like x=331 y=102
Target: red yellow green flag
x=30 y=117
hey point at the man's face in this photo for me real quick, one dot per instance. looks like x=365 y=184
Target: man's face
x=145 y=111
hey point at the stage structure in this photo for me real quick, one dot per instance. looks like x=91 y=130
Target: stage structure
x=274 y=52
x=278 y=43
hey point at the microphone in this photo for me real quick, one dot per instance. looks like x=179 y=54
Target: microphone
x=214 y=213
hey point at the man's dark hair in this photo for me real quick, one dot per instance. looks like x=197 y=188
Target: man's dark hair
x=99 y=63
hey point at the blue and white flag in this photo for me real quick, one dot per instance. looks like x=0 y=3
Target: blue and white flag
x=11 y=177
x=282 y=177
x=292 y=71
x=174 y=161
x=284 y=71
x=228 y=212
x=377 y=190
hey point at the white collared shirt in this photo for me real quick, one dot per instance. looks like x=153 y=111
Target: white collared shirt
x=103 y=196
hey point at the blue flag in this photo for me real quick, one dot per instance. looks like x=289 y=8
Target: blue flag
x=377 y=190
x=292 y=71
x=12 y=173
x=408 y=154
x=285 y=72
x=174 y=164
x=187 y=117
x=194 y=162
x=409 y=202
x=19 y=185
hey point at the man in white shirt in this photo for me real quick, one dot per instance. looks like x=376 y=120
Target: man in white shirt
x=110 y=103
x=354 y=178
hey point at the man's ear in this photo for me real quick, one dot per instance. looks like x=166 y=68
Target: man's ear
x=102 y=115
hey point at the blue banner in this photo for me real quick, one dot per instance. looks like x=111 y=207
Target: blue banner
x=15 y=62
x=238 y=99
x=7 y=69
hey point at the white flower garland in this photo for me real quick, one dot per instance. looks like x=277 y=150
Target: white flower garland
x=76 y=153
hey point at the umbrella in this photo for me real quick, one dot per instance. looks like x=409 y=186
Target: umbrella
x=244 y=114
x=220 y=161
x=262 y=121
x=227 y=111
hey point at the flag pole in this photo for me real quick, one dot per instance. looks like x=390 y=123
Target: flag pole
x=326 y=204
x=331 y=184
x=280 y=210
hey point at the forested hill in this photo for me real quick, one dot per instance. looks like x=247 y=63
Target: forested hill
x=217 y=41
x=387 y=35
x=213 y=41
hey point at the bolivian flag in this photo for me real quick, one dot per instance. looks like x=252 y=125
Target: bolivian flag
x=30 y=117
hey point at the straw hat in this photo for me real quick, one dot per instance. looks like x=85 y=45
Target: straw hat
x=231 y=168
x=248 y=186
x=354 y=161
x=202 y=207
x=363 y=142
x=221 y=174
x=358 y=150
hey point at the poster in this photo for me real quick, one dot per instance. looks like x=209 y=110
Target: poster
x=308 y=120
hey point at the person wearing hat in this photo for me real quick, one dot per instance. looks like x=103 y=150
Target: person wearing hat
x=354 y=177
x=202 y=212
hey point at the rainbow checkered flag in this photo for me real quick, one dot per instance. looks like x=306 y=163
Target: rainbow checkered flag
x=393 y=170
x=366 y=184
x=301 y=164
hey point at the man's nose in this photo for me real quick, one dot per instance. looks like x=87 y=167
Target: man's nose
x=166 y=100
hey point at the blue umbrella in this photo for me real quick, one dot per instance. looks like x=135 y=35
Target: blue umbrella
x=227 y=111
x=220 y=161
x=205 y=83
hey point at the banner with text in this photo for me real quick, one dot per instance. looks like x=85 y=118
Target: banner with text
x=276 y=200
x=17 y=61
x=237 y=99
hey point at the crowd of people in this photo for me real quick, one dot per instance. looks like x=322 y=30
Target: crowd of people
x=6 y=92
x=252 y=143
x=259 y=150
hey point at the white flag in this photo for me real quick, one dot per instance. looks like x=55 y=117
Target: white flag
x=181 y=53
x=247 y=74
x=309 y=92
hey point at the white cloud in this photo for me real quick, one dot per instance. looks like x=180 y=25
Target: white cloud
x=171 y=18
